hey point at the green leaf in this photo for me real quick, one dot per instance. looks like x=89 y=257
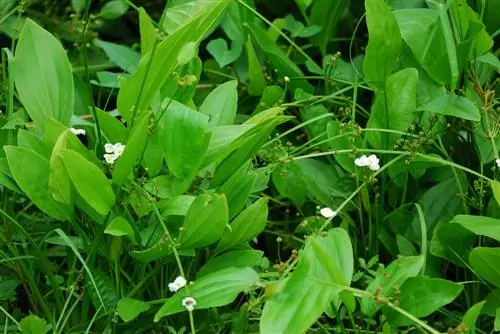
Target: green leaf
x=344 y=137
x=32 y=325
x=394 y=275
x=133 y=150
x=89 y=181
x=176 y=206
x=326 y=13
x=394 y=108
x=480 y=225
x=484 y=261
x=121 y=56
x=224 y=56
x=452 y=242
x=237 y=189
x=257 y=82
x=112 y=128
x=185 y=139
x=43 y=76
x=237 y=259
x=101 y=291
x=113 y=9
x=279 y=59
x=221 y=104
x=128 y=308
x=306 y=294
x=153 y=73
x=59 y=181
x=495 y=186
x=120 y=227
x=422 y=296
x=147 y=30
x=204 y=222
x=246 y=226
x=453 y=105
x=212 y=290
x=34 y=181
x=384 y=43
x=470 y=317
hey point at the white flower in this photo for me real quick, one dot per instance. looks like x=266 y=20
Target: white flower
x=327 y=213
x=118 y=148
x=78 y=131
x=113 y=152
x=111 y=158
x=371 y=162
x=362 y=161
x=189 y=303
x=109 y=148
x=374 y=162
x=498 y=162
x=177 y=284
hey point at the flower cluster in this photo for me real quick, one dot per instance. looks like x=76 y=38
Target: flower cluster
x=113 y=152
x=177 y=284
x=371 y=162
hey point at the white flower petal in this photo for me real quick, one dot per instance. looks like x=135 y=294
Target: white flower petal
x=110 y=158
x=118 y=148
x=78 y=131
x=498 y=163
x=189 y=303
x=362 y=161
x=109 y=148
x=173 y=287
x=327 y=213
x=180 y=281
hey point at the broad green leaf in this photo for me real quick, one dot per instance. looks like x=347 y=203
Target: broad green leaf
x=6 y=178
x=221 y=104
x=326 y=13
x=490 y=59
x=452 y=242
x=344 y=137
x=246 y=226
x=89 y=181
x=59 y=181
x=182 y=84
x=32 y=325
x=306 y=294
x=394 y=108
x=43 y=76
x=279 y=59
x=128 y=309
x=133 y=150
x=120 y=55
x=112 y=128
x=120 y=227
x=247 y=146
x=147 y=30
x=484 y=261
x=224 y=56
x=297 y=28
x=271 y=97
x=185 y=139
x=152 y=159
x=470 y=317
x=453 y=105
x=384 y=43
x=30 y=141
x=221 y=140
x=495 y=186
x=113 y=9
x=237 y=259
x=212 y=290
x=101 y=290
x=479 y=225
x=176 y=206
x=257 y=82
x=154 y=71
x=422 y=296
x=394 y=275
x=31 y=173
x=204 y=222
x=188 y=52
x=237 y=189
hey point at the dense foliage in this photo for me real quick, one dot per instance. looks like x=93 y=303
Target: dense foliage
x=246 y=166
